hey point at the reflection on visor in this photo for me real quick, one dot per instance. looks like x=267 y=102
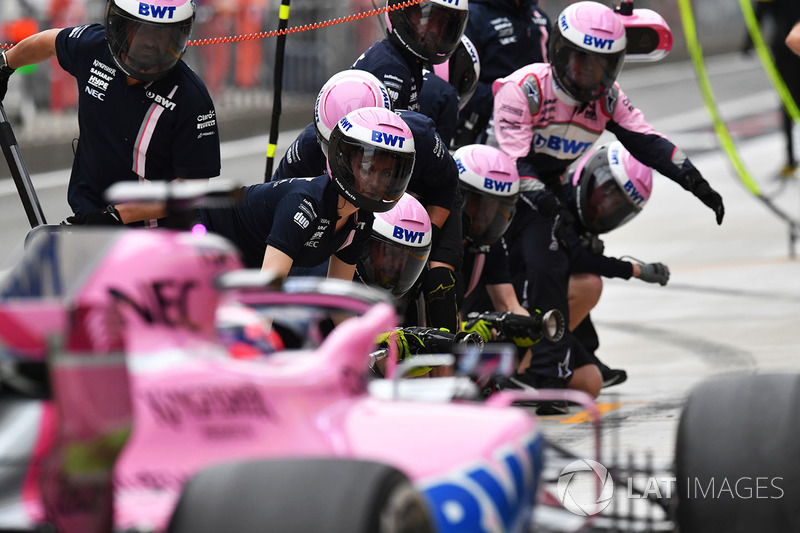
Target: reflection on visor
x=375 y=173
x=436 y=29
x=488 y=217
x=392 y=266
x=146 y=50
x=607 y=206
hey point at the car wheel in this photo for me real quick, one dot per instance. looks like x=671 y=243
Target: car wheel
x=738 y=456
x=310 y=494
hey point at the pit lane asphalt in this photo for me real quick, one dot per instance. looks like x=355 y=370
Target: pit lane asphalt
x=733 y=300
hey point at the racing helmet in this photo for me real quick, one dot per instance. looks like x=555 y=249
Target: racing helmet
x=245 y=333
x=611 y=187
x=398 y=248
x=430 y=30
x=147 y=39
x=587 y=49
x=462 y=70
x=370 y=158
x=489 y=184
x=343 y=92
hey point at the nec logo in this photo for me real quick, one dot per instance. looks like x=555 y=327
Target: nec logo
x=560 y=144
x=158 y=12
x=596 y=42
x=385 y=138
x=494 y=185
x=634 y=195
x=408 y=235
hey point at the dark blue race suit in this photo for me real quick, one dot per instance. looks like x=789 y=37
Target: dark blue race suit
x=159 y=130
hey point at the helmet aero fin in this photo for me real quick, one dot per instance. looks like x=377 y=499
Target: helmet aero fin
x=344 y=92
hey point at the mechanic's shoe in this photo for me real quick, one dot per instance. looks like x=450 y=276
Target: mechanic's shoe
x=613 y=376
x=523 y=382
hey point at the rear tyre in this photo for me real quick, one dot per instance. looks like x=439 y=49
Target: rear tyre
x=301 y=495
x=738 y=456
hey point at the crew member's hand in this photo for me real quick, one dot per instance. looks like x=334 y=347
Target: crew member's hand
x=5 y=74
x=698 y=186
x=654 y=273
x=108 y=216
x=562 y=219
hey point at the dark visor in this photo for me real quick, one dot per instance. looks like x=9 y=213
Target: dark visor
x=488 y=217
x=391 y=265
x=435 y=29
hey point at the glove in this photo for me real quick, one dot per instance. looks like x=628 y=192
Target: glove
x=694 y=183
x=654 y=273
x=5 y=74
x=550 y=206
x=108 y=216
x=479 y=326
x=592 y=243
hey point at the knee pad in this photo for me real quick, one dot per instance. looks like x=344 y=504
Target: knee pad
x=440 y=290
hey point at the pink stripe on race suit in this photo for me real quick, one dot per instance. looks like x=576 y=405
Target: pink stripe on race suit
x=146 y=135
x=477 y=270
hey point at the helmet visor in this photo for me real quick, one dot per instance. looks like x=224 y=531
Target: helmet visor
x=434 y=30
x=391 y=265
x=487 y=216
x=463 y=76
x=372 y=173
x=583 y=74
x=145 y=50
x=605 y=205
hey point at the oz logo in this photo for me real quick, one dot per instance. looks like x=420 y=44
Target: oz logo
x=579 y=484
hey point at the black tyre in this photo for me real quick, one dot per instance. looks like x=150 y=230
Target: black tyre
x=738 y=456
x=301 y=495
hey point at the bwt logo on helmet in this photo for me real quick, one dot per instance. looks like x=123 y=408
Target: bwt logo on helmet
x=597 y=42
x=158 y=12
x=494 y=185
x=408 y=235
x=633 y=193
x=385 y=138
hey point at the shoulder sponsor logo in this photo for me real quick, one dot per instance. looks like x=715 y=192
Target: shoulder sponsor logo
x=95 y=93
x=105 y=68
x=157 y=12
x=207 y=120
x=301 y=220
x=77 y=31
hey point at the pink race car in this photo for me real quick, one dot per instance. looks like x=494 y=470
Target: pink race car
x=142 y=397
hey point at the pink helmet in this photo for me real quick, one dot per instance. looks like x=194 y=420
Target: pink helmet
x=146 y=40
x=611 y=187
x=398 y=248
x=346 y=91
x=371 y=157
x=462 y=70
x=489 y=184
x=430 y=30
x=587 y=48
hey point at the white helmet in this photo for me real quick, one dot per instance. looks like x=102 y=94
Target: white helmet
x=147 y=39
x=346 y=91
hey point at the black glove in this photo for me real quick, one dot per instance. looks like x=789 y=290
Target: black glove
x=551 y=207
x=694 y=183
x=5 y=73
x=654 y=273
x=108 y=216
x=592 y=243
